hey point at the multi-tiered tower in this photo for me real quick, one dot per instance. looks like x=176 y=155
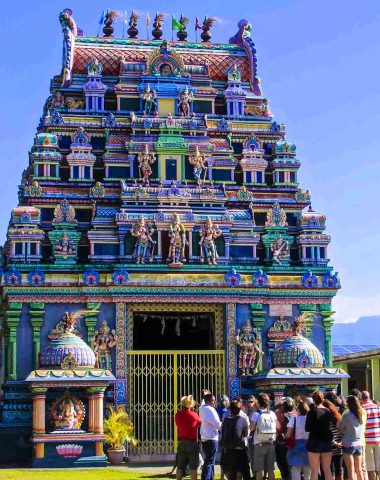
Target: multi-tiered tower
x=162 y=197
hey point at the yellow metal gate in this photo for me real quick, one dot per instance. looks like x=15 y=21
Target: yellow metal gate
x=156 y=383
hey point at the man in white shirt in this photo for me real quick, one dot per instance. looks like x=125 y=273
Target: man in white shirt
x=210 y=427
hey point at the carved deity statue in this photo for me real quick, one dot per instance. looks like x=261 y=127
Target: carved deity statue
x=145 y=160
x=234 y=74
x=208 y=234
x=199 y=165
x=65 y=247
x=103 y=341
x=149 y=97
x=250 y=352
x=280 y=250
x=178 y=242
x=184 y=100
x=67 y=413
x=144 y=247
x=64 y=212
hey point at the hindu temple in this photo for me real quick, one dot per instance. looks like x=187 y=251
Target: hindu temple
x=161 y=244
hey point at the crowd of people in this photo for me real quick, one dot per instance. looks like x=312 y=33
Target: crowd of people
x=321 y=437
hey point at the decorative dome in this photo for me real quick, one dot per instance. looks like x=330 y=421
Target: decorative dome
x=297 y=351
x=67 y=350
x=46 y=140
x=312 y=220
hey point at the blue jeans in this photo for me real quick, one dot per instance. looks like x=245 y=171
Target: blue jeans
x=209 y=447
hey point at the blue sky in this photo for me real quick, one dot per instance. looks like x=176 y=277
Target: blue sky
x=319 y=66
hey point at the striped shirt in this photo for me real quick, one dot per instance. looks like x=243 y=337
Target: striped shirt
x=372 y=431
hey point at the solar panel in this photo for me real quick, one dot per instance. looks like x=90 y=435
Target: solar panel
x=347 y=349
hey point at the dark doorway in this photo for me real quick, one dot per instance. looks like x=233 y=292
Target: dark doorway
x=173 y=331
x=171 y=169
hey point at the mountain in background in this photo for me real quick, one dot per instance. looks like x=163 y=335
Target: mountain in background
x=365 y=331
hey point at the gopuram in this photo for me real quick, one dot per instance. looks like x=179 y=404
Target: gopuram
x=160 y=209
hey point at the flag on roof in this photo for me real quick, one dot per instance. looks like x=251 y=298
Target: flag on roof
x=176 y=25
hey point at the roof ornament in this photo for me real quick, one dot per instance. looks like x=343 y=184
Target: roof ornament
x=157 y=26
x=132 y=30
x=206 y=27
x=181 y=27
x=276 y=217
x=110 y=17
x=243 y=38
x=234 y=74
x=94 y=68
x=70 y=31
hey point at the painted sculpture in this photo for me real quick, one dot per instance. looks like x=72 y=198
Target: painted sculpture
x=104 y=341
x=280 y=250
x=250 y=352
x=149 y=98
x=184 y=100
x=67 y=413
x=178 y=242
x=65 y=247
x=144 y=246
x=208 y=233
x=146 y=159
x=198 y=161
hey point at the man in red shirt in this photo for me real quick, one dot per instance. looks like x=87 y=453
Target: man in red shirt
x=188 y=424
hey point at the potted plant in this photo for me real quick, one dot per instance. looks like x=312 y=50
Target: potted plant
x=118 y=429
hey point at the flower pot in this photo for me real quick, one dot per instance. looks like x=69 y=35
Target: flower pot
x=116 y=457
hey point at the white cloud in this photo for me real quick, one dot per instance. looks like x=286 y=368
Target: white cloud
x=350 y=309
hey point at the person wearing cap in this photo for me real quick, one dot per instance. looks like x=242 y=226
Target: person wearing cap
x=188 y=423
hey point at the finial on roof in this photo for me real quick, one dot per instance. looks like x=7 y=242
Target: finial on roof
x=132 y=30
x=182 y=34
x=108 y=29
x=206 y=27
x=157 y=26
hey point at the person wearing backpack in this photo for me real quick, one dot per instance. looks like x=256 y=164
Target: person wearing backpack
x=233 y=442
x=264 y=425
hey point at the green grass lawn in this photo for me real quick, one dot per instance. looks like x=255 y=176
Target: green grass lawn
x=122 y=473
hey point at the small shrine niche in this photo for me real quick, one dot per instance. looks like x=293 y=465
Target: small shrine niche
x=234 y=93
x=25 y=235
x=285 y=165
x=81 y=159
x=253 y=164
x=46 y=157
x=73 y=434
x=94 y=89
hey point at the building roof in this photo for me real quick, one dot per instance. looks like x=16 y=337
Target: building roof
x=346 y=352
x=110 y=53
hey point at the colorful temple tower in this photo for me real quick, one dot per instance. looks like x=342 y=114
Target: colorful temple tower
x=161 y=199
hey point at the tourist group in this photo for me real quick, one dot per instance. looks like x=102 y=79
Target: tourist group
x=320 y=437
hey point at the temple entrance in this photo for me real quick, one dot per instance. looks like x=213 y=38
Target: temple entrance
x=173 y=331
x=176 y=351
x=156 y=383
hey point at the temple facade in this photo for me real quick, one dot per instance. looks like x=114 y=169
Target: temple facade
x=161 y=200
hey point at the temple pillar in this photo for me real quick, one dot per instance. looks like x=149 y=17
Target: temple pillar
x=344 y=382
x=91 y=319
x=327 y=322
x=96 y=405
x=37 y=312
x=375 y=372
x=91 y=414
x=12 y=319
x=39 y=398
x=258 y=319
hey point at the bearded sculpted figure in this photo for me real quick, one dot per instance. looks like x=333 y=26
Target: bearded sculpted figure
x=280 y=250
